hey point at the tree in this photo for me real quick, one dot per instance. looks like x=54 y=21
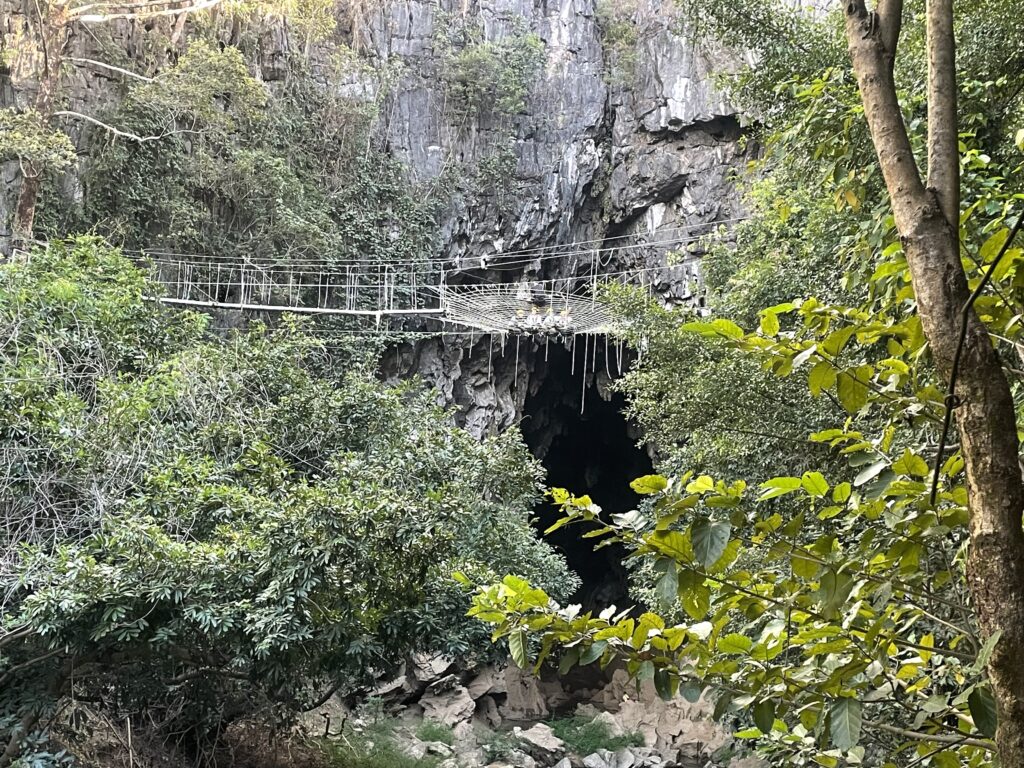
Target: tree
x=44 y=52
x=927 y=215
x=842 y=601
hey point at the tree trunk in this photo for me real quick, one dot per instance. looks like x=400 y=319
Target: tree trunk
x=927 y=219
x=53 y=36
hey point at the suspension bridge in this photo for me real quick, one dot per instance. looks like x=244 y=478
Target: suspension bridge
x=447 y=291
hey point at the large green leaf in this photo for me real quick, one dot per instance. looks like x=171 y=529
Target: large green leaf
x=709 y=539
x=649 y=484
x=983 y=710
x=852 y=390
x=517 y=647
x=846 y=721
x=764 y=715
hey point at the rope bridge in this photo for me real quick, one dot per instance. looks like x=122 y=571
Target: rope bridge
x=439 y=290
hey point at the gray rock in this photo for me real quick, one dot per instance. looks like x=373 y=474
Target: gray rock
x=540 y=741
x=449 y=707
x=439 y=748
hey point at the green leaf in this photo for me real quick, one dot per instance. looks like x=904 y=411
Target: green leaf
x=735 y=644
x=983 y=710
x=841 y=493
x=769 y=323
x=569 y=660
x=709 y=539
x=846 y=723
x=910 y=464
x=691 y=691
x=668 y=582
x=986 y=652
x=696 y=601
x=593 y=653
x=727 y=328
x=517 y=647
x=673 y=544
x=764 y=715
x=665 y=684
x=648 y=485
x=852 y=389
x=821 y=377
x=779 y=486
x=804 y=566
x=814 y=483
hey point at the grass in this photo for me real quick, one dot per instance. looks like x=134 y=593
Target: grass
x=431 y=730
x=378 y=754
x=373 y=746
x=585 y=736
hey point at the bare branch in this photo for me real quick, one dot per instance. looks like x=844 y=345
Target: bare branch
x=111 y=67
x=943 y=136
x=146 y=13
x=937 y=738
x=117 y=131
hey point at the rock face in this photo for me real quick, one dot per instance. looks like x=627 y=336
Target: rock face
x=637 y=162
x=624 y=160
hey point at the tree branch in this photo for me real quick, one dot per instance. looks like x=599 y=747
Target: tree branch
x=890 y=23
x=111 y=67
x=937 y=738
x=117 y=131
x=884 y=116
x=943 y=135
x=146 y=13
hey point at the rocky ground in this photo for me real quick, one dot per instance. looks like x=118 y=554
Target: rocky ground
x=504 y=717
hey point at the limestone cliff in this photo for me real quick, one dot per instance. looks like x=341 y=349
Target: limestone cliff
x=627 y=140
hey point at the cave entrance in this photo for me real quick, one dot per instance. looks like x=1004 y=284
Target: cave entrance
x=576 y=426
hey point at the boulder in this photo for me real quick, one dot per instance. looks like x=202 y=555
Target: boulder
x=449 y=707
x=598 y=760
x=540 y=741
x=519 y=759
x=490 y=680
x=525 y=700
x=439 y=748
x=426 y=668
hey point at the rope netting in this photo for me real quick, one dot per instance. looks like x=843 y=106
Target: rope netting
x=446 y=291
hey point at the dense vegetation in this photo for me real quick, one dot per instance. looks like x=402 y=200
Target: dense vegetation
x=805 y=571
x=204 y=528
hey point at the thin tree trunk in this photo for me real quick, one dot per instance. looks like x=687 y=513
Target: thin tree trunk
x=53 y=35
x=927 y=219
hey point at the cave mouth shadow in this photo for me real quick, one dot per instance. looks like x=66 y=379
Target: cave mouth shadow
x=578 y=430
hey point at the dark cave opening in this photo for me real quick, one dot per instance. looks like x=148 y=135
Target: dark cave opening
x=576 y=426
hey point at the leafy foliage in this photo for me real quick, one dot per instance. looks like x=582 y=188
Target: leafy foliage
x=484 y=77
x=828 y=609
x=296 y=174
x=25 y=137
x=225 y=527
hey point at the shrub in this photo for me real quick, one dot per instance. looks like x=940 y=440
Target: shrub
x=434 y=731
x=584 y=736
